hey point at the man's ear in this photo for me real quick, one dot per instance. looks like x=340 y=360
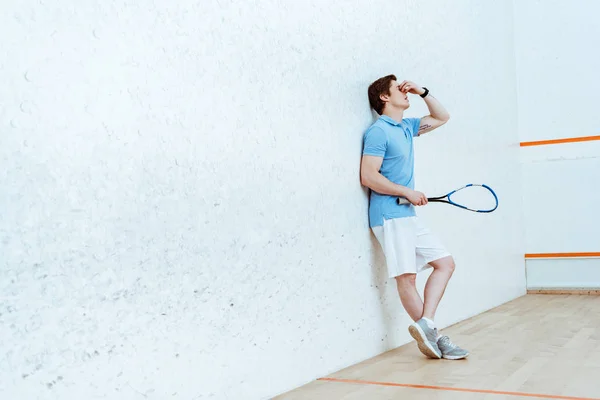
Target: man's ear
x=384 y=97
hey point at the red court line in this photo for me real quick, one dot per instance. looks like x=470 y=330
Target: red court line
x=453 y=389
x=563 y=255
x=556 y=141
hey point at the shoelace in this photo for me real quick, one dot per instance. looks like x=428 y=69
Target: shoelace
x=446 y=341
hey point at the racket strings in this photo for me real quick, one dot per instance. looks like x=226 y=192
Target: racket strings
x=474 y=198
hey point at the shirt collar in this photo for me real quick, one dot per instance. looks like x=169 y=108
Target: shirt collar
x=389 y=120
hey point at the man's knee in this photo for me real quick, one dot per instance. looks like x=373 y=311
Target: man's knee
x=445 y=264
x=406 y=279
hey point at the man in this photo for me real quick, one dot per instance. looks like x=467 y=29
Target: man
x=387 y=168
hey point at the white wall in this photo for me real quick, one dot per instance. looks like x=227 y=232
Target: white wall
x=558 y=84
x=181 y=215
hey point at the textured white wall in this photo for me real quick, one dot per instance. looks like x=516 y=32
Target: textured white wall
x=181 y=215
x=557 y=91
x=557 y=68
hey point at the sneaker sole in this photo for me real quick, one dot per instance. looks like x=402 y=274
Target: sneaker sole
x=424 y=346
x=456 y=357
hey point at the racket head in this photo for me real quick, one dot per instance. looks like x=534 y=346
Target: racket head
x=481 y=202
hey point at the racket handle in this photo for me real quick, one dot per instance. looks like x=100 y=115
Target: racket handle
x=402 y=200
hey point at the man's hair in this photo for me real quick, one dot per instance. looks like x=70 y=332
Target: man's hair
x=376 y=89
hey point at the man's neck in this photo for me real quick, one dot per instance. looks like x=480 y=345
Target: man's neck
x=396 y=115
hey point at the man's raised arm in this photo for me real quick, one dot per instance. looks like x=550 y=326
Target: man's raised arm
x=438 y=115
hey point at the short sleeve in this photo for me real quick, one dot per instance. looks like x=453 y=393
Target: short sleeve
x=413 y=125
x=375 y=142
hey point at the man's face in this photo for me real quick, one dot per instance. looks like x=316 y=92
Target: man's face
x=397 y=98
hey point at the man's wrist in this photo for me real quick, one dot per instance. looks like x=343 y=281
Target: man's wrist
x=424 y=93
x=403 y=191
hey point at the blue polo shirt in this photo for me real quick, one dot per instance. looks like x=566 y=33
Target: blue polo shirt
x=393 y=141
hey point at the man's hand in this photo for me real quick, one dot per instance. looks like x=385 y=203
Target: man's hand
x=438 y=115
x=411 y=87
x=416 y=198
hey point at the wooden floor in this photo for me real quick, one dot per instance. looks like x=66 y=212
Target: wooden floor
x=538 y=346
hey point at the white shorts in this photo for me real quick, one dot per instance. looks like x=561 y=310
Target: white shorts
x=408 y=245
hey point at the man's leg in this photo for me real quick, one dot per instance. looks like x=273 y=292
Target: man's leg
x=434 y=289
x=426 y=336
x=409 y=296
x=436 y=285
x=424 y=330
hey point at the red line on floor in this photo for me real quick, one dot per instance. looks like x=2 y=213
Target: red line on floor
x=454 y=389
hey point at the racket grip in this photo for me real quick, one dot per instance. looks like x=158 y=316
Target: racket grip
x=402 y=200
